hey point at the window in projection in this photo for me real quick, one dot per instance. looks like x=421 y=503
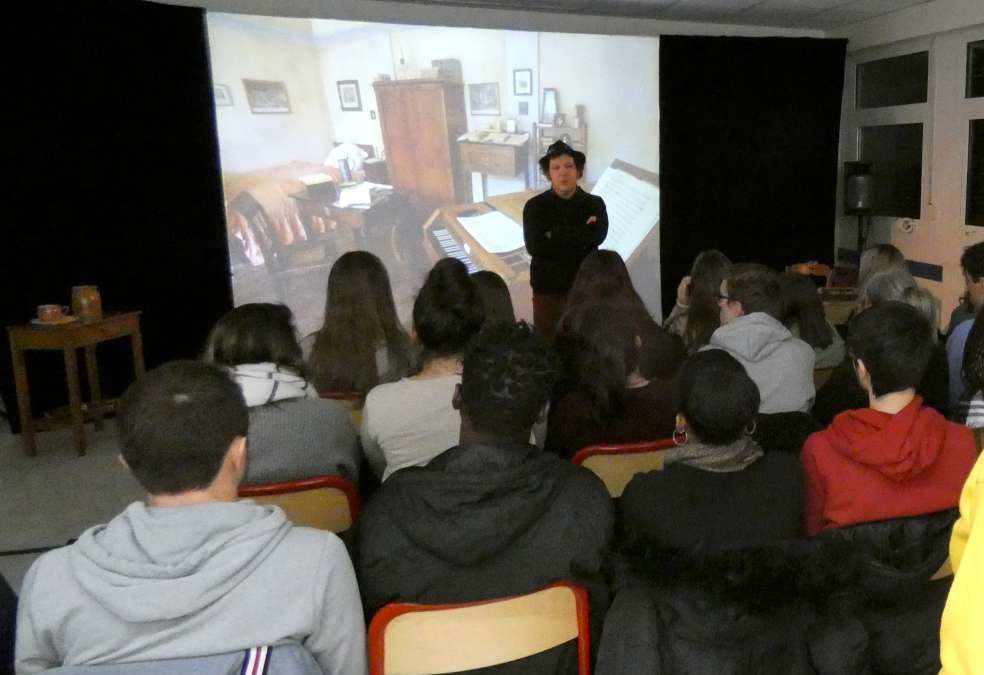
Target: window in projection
x=417 y=143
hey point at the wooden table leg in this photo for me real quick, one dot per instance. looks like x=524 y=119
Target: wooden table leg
x=95 y=389
x=75 y=398
x=136 y=346
x=23 y=400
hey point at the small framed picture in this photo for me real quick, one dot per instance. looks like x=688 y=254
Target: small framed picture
x=483 y=98
x=348 y=95
x=267 y=97
x=523 y=82
x=222 y=94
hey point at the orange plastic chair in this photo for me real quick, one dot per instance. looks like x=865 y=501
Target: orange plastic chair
x=616 y=464
x=351 y=401
x=416 y=639
x=324 y=502
x=811 y=269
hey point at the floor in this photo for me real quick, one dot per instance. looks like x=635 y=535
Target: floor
x=51 y=498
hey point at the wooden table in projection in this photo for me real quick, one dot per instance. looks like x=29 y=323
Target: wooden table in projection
x=67 y=338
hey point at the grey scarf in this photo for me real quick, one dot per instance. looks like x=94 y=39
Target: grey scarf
x=717 y=458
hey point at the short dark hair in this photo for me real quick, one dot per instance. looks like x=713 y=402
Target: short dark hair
x=494 y=294
x=507 y=377
x=972 y=261
x=448 y=311
x=756 y=287
x=716 y=396
x=895 y=342
x=258 y=332
x=559 y=149
x=176 y=425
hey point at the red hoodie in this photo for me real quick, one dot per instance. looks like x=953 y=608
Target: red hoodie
x=870 y=465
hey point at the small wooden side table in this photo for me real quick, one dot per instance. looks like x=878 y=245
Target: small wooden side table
x=69 y=337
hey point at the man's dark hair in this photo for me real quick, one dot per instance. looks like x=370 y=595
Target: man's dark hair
x=757 y=288
x=895 y=343
x=972 y=261
x=507 y=377
x=176 y=425
x=716 y=396
x=448 y=310
x=559 y=149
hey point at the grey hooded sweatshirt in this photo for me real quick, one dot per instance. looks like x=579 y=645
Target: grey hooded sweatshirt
x=779 y=363
x=178 y=582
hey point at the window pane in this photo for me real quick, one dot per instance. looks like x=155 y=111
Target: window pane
x=975 y=174
x=895 y=153
x=899 y=80
x=975 y=69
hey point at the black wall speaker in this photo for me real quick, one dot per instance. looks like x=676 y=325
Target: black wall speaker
x=858 y=187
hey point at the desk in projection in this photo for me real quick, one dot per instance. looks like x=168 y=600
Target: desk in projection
x=489 y=235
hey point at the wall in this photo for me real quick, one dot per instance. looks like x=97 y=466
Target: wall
x=940 y=234
x=621 y=102
x=266 y=48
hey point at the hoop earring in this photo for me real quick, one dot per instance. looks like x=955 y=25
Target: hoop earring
x=680 y=437
x=750 y=430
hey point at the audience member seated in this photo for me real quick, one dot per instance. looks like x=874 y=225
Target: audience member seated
x=712 y=582
x=896 y=457
x=8 y=619
x=292 y=433
x=409 y=422
x=970 y=407
x=780 y=364
x=803 y=315
x=494 y=294
x=961 y=647
x=842 y=392
x=696 y=314
x=882 y=258
x=611 y=402
x=492 y=516
x=972 y=264
x=361 y=342
x=193 y=571
x=604 y=278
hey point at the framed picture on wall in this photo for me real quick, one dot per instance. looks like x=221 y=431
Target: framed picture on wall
x=267 y=97
x=222 y=94
x=523 y=82
x=348 y=95
x=483 y=98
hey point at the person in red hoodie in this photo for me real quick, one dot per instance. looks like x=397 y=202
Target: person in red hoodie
x=895 y=458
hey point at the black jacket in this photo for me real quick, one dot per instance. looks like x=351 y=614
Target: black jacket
x=481 y=522
x=558 y=237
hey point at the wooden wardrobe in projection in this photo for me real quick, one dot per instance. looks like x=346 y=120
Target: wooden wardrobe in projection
x=421 y=122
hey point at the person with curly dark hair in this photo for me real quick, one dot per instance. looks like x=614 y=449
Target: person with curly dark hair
x=493 y=516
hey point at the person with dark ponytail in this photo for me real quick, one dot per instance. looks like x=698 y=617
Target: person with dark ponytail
x=561 y=227
x=411 y=421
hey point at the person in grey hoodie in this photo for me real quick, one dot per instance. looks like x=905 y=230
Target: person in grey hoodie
x=778 y=362
x=192 y=572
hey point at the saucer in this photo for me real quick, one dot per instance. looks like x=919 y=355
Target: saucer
x=56 y=322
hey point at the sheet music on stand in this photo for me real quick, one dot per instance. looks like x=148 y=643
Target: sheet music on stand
x=633 y=210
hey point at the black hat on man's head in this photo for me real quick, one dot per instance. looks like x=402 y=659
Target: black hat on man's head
x=559 y=149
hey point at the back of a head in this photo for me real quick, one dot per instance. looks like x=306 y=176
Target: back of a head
x=494 y=294
x=710 y=268
x=879 y=258
x=507 y=378
x=802 y=307
x=886 y=286
x=716 y=396
x=972 y=261
x=258 y=332
x=359 y=289
x=925 y=302
x=176 y=425
x=756 y=287
x=602 y=275
x=447 y=312
x=895 y=343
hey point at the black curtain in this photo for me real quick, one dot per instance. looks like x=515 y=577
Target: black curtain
x=748 y=150
x=112 y=179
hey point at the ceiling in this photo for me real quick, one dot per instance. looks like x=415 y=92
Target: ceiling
x=805 y=14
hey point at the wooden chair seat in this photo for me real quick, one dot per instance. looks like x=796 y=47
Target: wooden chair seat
x=323 y=502
x=616 y=464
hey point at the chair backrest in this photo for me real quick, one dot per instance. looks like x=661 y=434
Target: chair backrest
x=616 y=464
x=414 y=639
x=291 y=659
x=351 y=401
x=323 y=502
